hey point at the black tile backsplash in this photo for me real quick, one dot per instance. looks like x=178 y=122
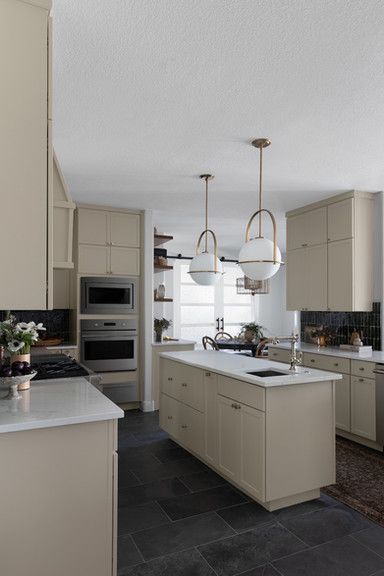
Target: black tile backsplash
x=342 y=324
x=55 y=321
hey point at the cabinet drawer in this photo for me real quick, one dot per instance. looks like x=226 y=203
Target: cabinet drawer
x=331 y=363
x=169 y=414
x=242 y=392
x=362 y=368
x=191 y=429
x=184 y=383
x=279 y=354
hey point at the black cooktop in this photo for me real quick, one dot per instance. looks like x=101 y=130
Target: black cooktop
x=60 y=366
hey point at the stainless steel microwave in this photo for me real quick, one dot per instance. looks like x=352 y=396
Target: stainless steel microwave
x=110 y=295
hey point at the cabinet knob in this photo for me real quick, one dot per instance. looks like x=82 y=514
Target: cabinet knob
x=184 y=385
x=233 y=405
x=207 y=373
x=170 y=379
x=361 y=379
x=312 y=360
x=305 y=244
x=336 y=364
x=362 y=369
x=112 y=243
x=170 y=417
x=184 y=426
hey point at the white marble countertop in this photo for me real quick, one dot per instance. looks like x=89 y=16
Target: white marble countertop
x=59 y=402
x=375 y=356
x=174 y=343
x=236 y=366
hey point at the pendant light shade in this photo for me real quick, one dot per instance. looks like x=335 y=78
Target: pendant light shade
x=259 y=257
x=206 y=268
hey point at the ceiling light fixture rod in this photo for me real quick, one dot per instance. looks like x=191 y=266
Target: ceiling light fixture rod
x=206 y=177
x=260 y=143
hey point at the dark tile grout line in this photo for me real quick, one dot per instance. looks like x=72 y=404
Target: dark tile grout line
x=365 y=545
x=206 y=561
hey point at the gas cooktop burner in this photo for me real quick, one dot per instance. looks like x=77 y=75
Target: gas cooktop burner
x=57 y=367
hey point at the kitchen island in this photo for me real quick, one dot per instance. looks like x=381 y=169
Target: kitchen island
x=271 y=434
x=58 y=496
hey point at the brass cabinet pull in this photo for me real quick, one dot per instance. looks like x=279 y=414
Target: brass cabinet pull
x=235 y=406
x=336 y=364
x=184 y=426
x=207 y=373
x=170 y=379
x=312 y=360
x=170 y=417
x=184 y=385
x=361 y=379
x=361 y=368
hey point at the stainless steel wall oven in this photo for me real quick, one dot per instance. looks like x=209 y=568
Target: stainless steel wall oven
x=109 y=345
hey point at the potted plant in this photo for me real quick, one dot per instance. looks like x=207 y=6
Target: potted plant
x=160 y=325
x=251 y=331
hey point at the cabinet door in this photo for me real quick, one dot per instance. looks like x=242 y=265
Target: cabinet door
x=363 y=407
x=211 y=435
x=340 y=220
x=343 y=403
x=307 y=229
x=170 y=415
x=340 y=276
x=252 y=472
x=229 y=427
x=93 y=226
x=316 y=285
x=93 y=259
x=297 y=275
x=190 y=386
x=297 y=231
x=191 y=429
x=125 y=261
x=24 y=159
x=124 y=229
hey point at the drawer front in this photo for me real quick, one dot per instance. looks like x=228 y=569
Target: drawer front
x=168 y=377
x=190 y=386
x=362 y=368
x=169 y=415
x=248 y=394
x=279 y=355
x=331 y=363
x=191 y=429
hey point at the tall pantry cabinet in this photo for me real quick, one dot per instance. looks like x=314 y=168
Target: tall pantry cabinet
x=26 y=154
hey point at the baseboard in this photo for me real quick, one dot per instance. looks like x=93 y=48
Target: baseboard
x=359 y=440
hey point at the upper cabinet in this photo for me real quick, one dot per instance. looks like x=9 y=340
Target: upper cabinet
x=108 y=242
x=63 y=209
x=329 y=254
x=26 y=156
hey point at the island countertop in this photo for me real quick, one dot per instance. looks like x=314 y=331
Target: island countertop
x=59 y=402
x=236 y=366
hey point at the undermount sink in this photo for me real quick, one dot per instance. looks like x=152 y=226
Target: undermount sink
x=268 y=373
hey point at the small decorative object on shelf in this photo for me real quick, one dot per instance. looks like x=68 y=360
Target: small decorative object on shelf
x=161 y=292
x=251 y=331
x=17 y=339
x=323 y=335
x=160 y=325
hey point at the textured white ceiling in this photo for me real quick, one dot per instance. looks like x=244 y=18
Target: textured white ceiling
x=150 y=93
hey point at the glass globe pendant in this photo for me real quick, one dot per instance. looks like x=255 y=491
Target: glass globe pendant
x=206 y=268
x=259 y=257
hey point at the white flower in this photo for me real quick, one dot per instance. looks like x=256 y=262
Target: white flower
x=34 y=326
x=15 y=345
x=23 y=327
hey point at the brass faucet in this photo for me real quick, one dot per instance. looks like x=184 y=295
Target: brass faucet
x=296 y=357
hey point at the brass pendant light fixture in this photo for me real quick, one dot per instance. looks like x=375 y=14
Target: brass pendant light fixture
x=259 y=257
x=205 y=267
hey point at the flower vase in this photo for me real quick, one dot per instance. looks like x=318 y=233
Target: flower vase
x=22 y=358
x=158 y=337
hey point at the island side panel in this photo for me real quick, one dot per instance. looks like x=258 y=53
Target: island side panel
x=57 y=500
x=300 y=439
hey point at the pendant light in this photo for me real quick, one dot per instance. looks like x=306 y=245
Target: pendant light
x=259 y=257
x=206 y=268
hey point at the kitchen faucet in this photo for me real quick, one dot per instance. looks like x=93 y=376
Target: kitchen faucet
x=296 y=358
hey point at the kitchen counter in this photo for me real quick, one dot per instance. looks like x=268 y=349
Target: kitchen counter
x=375 y=356
x=179 y=342
x=236 y=366
x=52 y=403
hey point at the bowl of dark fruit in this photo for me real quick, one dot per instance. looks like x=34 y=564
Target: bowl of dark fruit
x=14 y=375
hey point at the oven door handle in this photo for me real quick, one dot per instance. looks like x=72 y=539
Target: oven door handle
x=108 y=336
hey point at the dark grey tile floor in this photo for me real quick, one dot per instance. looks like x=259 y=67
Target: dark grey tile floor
x=178 y=518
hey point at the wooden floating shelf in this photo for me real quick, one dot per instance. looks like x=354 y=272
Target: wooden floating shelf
x=163 y=299
x=159 y=267
x=160 y=239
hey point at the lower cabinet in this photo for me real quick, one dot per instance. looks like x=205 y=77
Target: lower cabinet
x=363 y=412
x=183 y=423
x=242 y=444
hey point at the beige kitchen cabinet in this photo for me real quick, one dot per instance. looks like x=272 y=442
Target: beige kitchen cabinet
x=183 y=423
x=279 y=354
x=26 y=156
x=108 y=242
x=184 y=383
x=63 y=209
x=341 y=220
x=229 y=436
x=307 y=229
x=307 y=278
x=343 y=403
x=363 y=407
x=170 y=415
x=157 y=348
x=211 y=447
x=340 y=279
x=59 y=500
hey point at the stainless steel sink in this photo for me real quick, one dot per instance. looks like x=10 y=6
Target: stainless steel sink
x=267 y=373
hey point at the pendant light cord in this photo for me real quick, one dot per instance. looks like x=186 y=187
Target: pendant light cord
x=206 y=213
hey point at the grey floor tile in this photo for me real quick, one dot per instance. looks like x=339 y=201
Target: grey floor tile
x=187 y=563
x=146 y=473
x=373 y=538
x=128 y=478
x=127 y=553
x=251 y=549
x=304 y=507
x=149 y=436
x=246 y=516
x=265 y=570
x=170 y=454
x=181 y=535
x=202 y=480
x=341 y=557
x=200 y=502
x=157 y=490
x=328 y=524
x=135 y=518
